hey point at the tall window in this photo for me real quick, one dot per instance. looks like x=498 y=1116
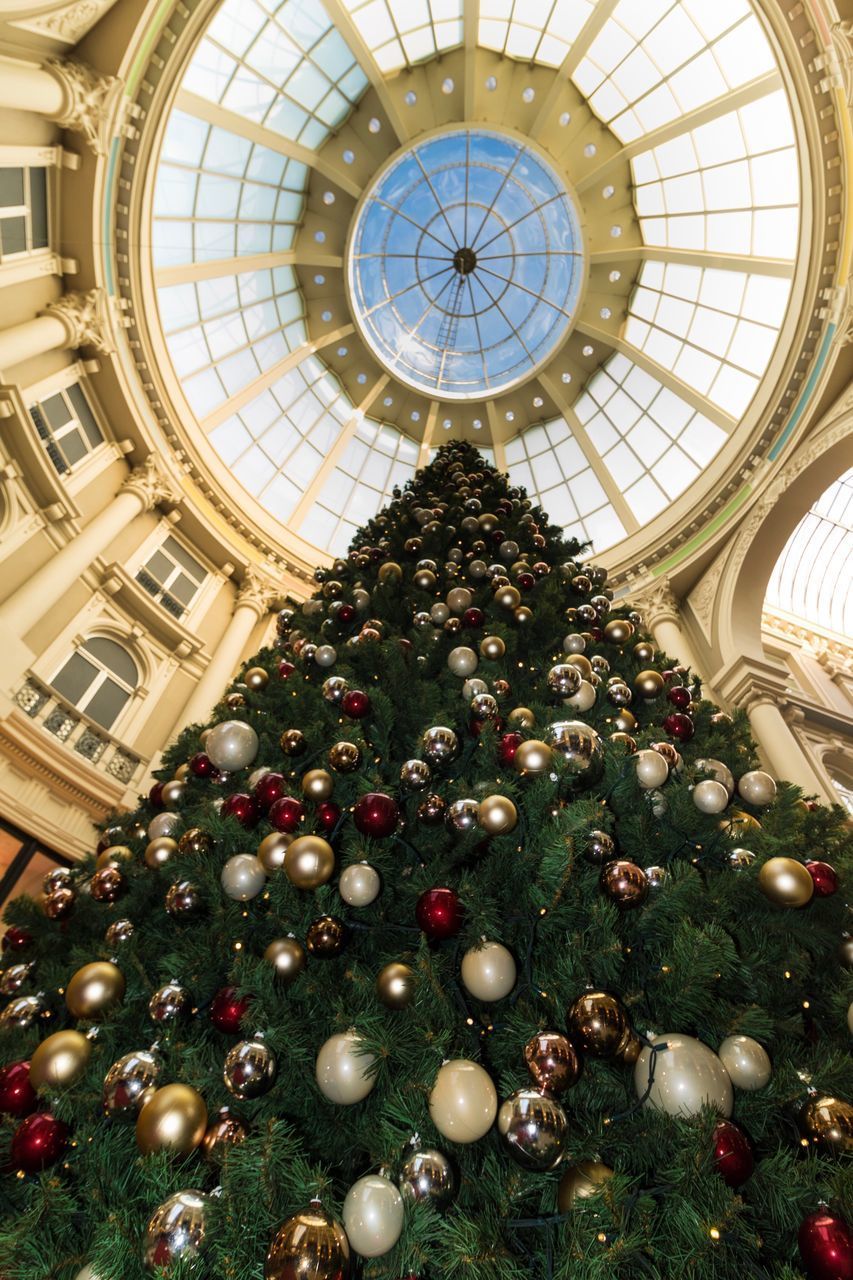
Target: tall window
x=98 y=679
x=23 y=212
x=66 y=426
x=172 y=576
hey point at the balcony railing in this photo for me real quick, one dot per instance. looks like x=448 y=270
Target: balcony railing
x=76 y=731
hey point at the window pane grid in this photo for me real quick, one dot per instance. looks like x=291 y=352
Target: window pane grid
x=66 y=427
x=401 y=33
x=540 y=32
x=23 y=212
x=813 y=577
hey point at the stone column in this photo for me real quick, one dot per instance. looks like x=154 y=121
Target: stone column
x=254 y=599
x=143 y=489
x=779 y=746
x=74 y=320
x=661 y=611
x=67 y=92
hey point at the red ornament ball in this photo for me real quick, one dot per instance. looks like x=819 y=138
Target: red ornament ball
x=439 y=914
x=376 y=815
x=227 y=1010
x=679 y=726
x=286 y=813
x=507 y=747
x=355 y=704
x=201 y=765
x=678 y=694
x=242 y=807
x=37 y=1142
x=732 y=1153
x=346 y=614
x=526 y=581
x=285 y=669
x=271 y=787
x=17 y=1095
x=826 y=1246
x=328 y=815
x=825 y=878
x=155 y=795
x=473 y=618
x=16 y=939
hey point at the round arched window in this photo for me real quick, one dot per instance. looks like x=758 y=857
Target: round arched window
x=98 y=679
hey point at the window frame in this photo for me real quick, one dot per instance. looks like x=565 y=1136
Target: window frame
x=147 y=553
x=26 y=163
x=104 y=674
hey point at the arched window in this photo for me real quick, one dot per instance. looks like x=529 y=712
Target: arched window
x=98 y=679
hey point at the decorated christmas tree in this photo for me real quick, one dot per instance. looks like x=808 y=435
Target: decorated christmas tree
x=466 y=940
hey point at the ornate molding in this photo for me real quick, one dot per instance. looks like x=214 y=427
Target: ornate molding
x=657 y=603
x=91 y=101
x=257 y=592
x=151 y=482
x=701 y=598
x=87 y=319
x=69 y=23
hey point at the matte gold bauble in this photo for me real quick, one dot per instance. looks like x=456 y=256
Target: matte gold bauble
x=389 y=573
x=828 y=1122
x=256 y=679
x=580 y=1181
x=649 y=684
x=522 y=615
x=326 y=937
x=60 y=1060
x=533 y=757
x=159 y=851
x=309 y=862
x=344 y=757
x=309 y=1246
x=597 y=1021
x=395 y=985
x=552 y=1061
x=497 y=815
x=492 y=648
x=114 y=856
x=173 y=1119
x=508 y=597
x=287 y=957
x=618 y=631
x=521 y=718
x=317 y=784
x=182 y=772
x=625 y=721
x=94 y=990
x=272 y=850
x=581 y=663
x=786 y=882
x=224 y=1132
x=293 y=742
x=195 y=841
x=643 y=651
x=738 y=824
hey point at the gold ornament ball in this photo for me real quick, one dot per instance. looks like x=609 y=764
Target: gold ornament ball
x=159 y=851
x=272 y=850
x=492 y=648
x=317 y=784
x=618 y=631
x=738 y=824
x=344 y=757
x=309 y=862
x=508 y=597
x=172 y=792
x=182 y=772
x=497 y=815
x=580 y=1181
x=94 y=990
x=114 y=856
x=643 y=651
x=522 y=615
x=845 y=952
x=60 y=1060
x=173 y=1119
x=581 y=663
x=293 y=742
x=195 y=841
x=786 y=882
x=828 y=1122
x=256 y=679
x=395 y=985
x=235 y=701
x=390 y=573
x=521 y=718
x=224 y=1132
x=533 y=757
x=287 y=957
x=629 y=1048
x=649 y=684
x=309 y=1246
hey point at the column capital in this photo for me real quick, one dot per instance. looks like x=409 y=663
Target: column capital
x=90 y=100
x=151 y=482
x=257 y=592
x=86 y=317
x=657 y=603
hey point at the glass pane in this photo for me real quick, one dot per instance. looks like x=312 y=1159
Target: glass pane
x=183 y=588
x=73 y=447
x=38 y=207
x=159 y=566
x=56 y=411
x=84 y=414
x=107 y=703
x=183 y=558
x=11 y=187
x=13 y=236
x=74 y=678
x=114 y=657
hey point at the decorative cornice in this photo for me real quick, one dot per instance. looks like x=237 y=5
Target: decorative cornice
x=87 y=319
x=91 y=101
x=69 y=23
x=258 y=593
x=152 y=483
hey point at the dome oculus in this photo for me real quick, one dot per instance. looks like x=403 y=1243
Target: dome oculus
x=465 y=264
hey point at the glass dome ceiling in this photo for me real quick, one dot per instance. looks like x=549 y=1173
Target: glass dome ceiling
x=643 y=281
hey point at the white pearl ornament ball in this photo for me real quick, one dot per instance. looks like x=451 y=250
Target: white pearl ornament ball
x=489 y=972
x=463 y=1102
x=373 y=1216
x=746 y=1061
x=243 y=877
x=688 y=1076
x=757 y=787
x=342 y=1069
x=231 y=745
x=462 y=661
x=652 y=769
x=359 y=885
x=710 y=796
x=583 y=699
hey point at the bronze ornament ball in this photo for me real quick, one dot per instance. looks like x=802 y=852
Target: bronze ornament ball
x=94 y=990
x=497 y=815
x=119 y=931
x=625 y=883
x=250 y=1068
x=173 y=1119
x=183 y=900
x=224 y=1132
x=649 y=684
x=326 y=937
x=60 y=903
x=580 y=1181
x=256 y=679
x=317 y=784
x=828 y=1122
x=60 y=1060
x=293 y=742
x=552 y=1061
x=309 y=1246
x=390 y=573
x=159 y=851
x=533 y=757
x=107 y=885
x=395 y=985
x=431 y=810
x=344 y=757
x=597 y=1020
x=786 y=882
x=428 y=1175
x=309 y=862
x=508 y=597
x=272 y=850
x=643 y=651
x=287 y=957
x=521 y=718
x=534 y=1128
x=196 y=841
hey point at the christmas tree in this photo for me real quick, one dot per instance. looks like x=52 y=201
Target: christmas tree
x=465 y=941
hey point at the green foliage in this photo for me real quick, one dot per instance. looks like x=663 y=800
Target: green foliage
x=707 y=955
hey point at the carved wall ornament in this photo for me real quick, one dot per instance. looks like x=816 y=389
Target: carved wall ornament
x=92 y=101
x=258 y=591
x=68 y=23
x=152 y=483
x=657 y=602
x=86 y=317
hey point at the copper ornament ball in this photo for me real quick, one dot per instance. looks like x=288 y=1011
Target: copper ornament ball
x=224 y=1132
x=344 y=757
x=326 y=937
x=598 y=1022
x=552 y=1061
x=309 y=1246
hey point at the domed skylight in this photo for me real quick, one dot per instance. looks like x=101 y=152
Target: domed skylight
x=618 y=335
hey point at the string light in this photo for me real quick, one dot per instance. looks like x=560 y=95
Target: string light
x=714 y=1233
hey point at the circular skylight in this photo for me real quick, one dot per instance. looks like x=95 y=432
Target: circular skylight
x=465 y=264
